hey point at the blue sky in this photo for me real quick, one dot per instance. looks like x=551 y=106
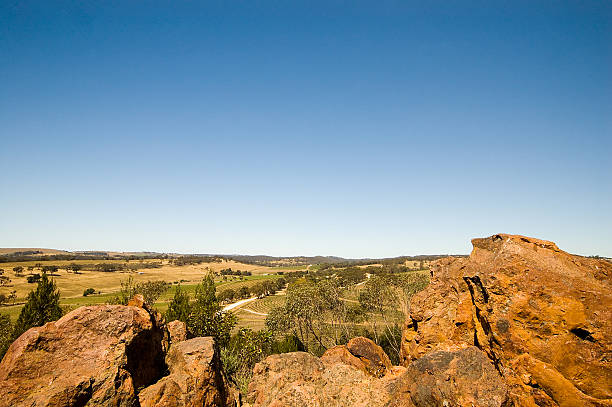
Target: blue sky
x=358 y=129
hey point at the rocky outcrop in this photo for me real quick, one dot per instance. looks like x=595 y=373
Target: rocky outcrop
x=462 y=378
x=195 y=377
x=361 y=353
x=301 y=379
x=108 y=355
x=541 y=316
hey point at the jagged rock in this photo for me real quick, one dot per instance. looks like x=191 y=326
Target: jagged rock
x=301 y=379
x=341 y=354
x=110 y=355
x=95 y=356
x=178 y=331
x=375 y=359
x=465 y=377
x=195 y=377
x=361 y=353
x=542 y=316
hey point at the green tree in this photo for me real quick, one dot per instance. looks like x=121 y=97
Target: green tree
x=6 y=332
x=42 y=306
x=207 y=317
x=179 y=308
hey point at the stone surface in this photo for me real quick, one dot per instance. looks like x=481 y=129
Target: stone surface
x=195 y=377
x=97 y=355
x=465 y=377
x=542 y=316
x=111 y=355
x=376 y=361
x=178 y=331
x=462 y=378
x=301 y=379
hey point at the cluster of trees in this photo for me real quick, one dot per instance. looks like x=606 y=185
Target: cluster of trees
x=260 y=289
x=193 y=260
x=230 y=272
x=4 y=298
x=150 y=290
x=316 y=312
x=204 y=316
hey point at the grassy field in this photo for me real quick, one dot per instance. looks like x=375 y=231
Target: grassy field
x=72 y=285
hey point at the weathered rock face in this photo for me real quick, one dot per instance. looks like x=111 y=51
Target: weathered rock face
x=542 y=316
x=105 y=356
x=195 y=377
x=462 y=378
x=301 y=379
x=361 y=353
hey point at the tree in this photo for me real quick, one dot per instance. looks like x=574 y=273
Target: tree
x=42 y=306
x=6 y=332
x=226 y=295
x=18 y=270
x=206 y=317
x=75 y=267
x=88 y=291
x=179 y=308
x=150 y=290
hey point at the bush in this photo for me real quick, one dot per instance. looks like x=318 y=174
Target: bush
x=33 y=278
x=179 y=308
x=89 y=291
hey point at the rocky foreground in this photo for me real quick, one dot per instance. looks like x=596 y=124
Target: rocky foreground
x=518 y=323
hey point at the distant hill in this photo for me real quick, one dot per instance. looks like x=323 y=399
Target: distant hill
x=34 y=254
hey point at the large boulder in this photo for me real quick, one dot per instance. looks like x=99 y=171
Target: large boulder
x=301 y=379
x=542 y=316
x=195 y=377
x=111 y=355
x=95 y=356
x=465 y=377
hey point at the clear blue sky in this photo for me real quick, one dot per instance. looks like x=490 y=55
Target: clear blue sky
x=358 y=129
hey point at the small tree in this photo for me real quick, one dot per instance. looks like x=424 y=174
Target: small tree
x=179 y=308
x=206 y=317
x=18 y=270
x=42 y=306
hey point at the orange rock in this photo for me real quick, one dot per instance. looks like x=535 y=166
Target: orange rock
x=534 y=309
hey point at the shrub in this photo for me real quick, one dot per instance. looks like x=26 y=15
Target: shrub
x=179 y=308
x=89 y=291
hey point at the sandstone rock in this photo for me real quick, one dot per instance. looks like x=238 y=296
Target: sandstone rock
x=111 y=355
x=542 y=316
x=374 y=358
x=300 y=379
x=462 y=378
x=341 y=354
x=195 y=377
x=178 y=331
x=97 y=355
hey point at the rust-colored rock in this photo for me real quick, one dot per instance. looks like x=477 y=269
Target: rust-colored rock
x=542 y=316
x=341 y=354
x=111 y=355
x=300 y=379
x=376 y=361
x=195 y=377
x=97 y=355
x=462 y=378
x=178 y=331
